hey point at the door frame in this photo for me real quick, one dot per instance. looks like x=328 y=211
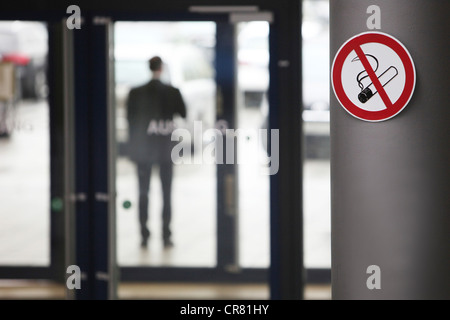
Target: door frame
x=226 y=269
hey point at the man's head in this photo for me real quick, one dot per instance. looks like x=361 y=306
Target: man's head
x=155 y=64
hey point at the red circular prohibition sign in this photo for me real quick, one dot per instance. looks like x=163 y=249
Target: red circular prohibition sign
x=392 y=108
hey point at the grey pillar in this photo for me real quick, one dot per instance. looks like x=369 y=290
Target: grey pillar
x=391 y=179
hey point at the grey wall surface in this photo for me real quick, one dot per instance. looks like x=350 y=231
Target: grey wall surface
x=391 y=179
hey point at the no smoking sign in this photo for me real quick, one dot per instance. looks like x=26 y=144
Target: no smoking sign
x=373 y=76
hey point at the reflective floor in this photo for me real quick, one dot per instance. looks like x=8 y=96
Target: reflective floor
x=45 y=290
x=25 y=188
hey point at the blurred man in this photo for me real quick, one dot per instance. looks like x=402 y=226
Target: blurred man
x=151 y=109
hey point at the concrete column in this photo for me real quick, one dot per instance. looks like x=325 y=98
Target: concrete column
x=391 y=179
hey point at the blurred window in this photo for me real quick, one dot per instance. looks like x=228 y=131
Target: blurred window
x=316 y=129
x=24 y=147
x=196 y=67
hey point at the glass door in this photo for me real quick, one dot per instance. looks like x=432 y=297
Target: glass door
x=185 y=181
x=35 y=150
x=218 y=171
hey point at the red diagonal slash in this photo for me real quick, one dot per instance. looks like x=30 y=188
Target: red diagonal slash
x=376 y=82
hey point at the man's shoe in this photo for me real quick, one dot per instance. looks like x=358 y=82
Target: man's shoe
x=145 y=234
x=168 y=243
x=144 y=242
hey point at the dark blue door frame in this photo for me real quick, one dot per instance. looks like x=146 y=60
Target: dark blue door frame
x=287 y=274
x=95 y=252
x=83 y=145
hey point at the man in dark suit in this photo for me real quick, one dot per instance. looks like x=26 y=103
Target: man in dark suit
x=151 y=109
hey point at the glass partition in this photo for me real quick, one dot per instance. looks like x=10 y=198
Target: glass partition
x=24 y=145
x=145 y=184
x=252 y=120
x=316 y=124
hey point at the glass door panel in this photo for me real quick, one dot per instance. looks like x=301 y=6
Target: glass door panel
x=24 y=145
x=187 y=52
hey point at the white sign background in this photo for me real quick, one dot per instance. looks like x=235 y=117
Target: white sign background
x=386 y=58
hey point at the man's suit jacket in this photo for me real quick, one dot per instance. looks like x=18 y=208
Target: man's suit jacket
x=151 y=109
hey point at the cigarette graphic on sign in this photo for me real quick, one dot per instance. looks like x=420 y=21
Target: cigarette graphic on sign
x=384 y=72
x=384 y=78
